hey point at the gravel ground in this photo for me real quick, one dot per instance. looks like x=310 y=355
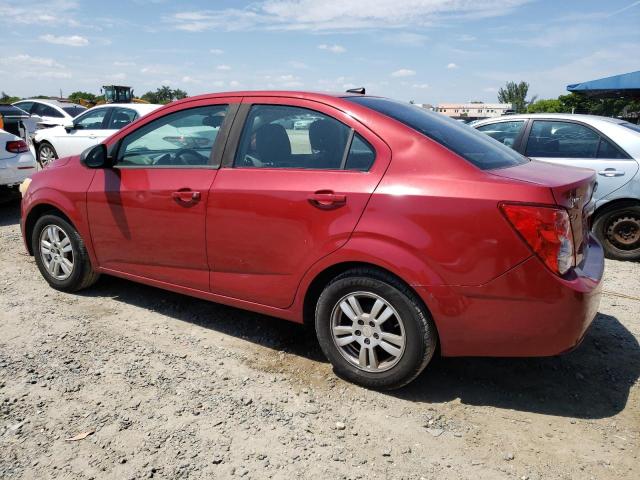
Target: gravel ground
x=165 y=386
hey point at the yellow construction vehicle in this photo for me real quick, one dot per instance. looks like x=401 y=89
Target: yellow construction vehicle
x=113 y=94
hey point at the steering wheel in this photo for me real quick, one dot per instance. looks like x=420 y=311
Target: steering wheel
x=189 y=152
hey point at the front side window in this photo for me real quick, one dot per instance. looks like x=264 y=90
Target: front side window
x=179 y=139
x=92 y=120
x=278 y=136
x=504 y=132
x=475 y=147
x=26 y=106
x=549 y=139
x=121 y=117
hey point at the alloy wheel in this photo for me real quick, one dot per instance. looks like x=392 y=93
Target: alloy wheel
x=46 y=155
x=57 y=252
x=368 y=331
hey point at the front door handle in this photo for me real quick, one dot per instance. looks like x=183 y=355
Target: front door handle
x=186 y=197
x=327 y=199
x=610 y=172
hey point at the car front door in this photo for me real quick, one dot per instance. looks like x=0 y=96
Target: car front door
x=147 y=214
x=86 y=132
x=290 y=192
x=575 y=144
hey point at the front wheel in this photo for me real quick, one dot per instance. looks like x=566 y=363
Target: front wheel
x=619 y=232
x=61 y=255
x=374 y=330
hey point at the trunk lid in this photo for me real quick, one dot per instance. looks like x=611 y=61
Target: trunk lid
x=571 y=187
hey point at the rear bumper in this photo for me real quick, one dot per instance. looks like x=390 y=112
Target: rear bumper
x=528 y=311
x=15 y=169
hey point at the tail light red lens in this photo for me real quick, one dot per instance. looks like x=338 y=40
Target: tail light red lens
x=17 y=146
x=547 y=230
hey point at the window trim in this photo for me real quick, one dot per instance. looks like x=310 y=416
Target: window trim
x=240 y=122
x=600 y=134
x=215 y=156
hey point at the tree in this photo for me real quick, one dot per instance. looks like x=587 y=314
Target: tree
x=89 y=97
x=551 y=105
x=164 y=95
x=6 y=98
x=516 y=94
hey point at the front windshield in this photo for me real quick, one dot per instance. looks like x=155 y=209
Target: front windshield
x=475 y=147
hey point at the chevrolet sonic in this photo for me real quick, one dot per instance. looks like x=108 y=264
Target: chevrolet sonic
x=395 y=231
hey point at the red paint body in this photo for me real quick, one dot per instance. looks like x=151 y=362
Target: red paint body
x=254 y=239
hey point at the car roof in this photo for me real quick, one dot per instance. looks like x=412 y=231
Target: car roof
x=276 y=93
x=51 y=102
x=554 y=116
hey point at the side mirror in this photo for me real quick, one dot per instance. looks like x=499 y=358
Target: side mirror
x=96 y=157
x=69 y=126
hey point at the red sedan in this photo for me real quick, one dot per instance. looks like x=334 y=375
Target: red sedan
x=394 y=230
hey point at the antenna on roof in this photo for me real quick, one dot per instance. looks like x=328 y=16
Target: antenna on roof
x=359 y=91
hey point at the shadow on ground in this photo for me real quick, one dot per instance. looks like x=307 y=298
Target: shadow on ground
x=9 y=211
x=593 y=381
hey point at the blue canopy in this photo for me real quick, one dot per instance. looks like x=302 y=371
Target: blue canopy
x=625 y=85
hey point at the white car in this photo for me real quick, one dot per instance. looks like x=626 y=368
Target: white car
x=609 y=146
x=86 y=130
x=48 y=113
x=16 y=161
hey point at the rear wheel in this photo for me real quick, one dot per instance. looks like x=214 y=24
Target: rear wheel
x=374 y=330
x=46 y=154
x=619 y=232
x=61 y=255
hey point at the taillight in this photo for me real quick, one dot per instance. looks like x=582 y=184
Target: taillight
x=17 y=146
x=547 y=230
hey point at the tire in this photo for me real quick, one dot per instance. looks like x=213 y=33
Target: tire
x=46 y=154
x=81 y=274
x=407 y=319
x=618 y=229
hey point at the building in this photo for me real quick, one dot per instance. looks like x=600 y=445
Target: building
x=473 y=110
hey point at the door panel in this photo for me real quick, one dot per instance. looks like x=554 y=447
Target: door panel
x=147 y=215
x=266 y=226
x=138 y=227
x=89 y=133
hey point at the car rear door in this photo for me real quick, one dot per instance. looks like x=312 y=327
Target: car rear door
x=147 y=215
x=290 y=192
x=576 y=144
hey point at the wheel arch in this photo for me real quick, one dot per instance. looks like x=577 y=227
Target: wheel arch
x=322 y=279
x=615 y=204
x=34 y=214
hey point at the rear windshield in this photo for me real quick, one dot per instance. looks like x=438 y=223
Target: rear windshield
x=476 y=147
x=74 y=111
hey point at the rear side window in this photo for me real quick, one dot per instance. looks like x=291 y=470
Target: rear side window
x=121 y=117
x=606 y=149
x=280 y=136
x=549 y=139
x=43 y=110
x=361 y=155
x=505 y=132
x=26 y=106
x=473 y=146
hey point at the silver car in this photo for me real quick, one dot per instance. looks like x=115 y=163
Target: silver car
x=609 y=146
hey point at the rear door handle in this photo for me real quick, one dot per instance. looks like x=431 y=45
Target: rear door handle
x=186 y=197
x=610 y=172
x=327 y=199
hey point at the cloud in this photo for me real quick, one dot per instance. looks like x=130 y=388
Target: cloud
x=123 y=64
x=50 y=12
x=332 y=48
x=335 y=15
x=216 y=51
x=403 y=72
x=26 y=66
x=29 y=61
x=452 y=66
x=420 y=85
x=70 y=41
x=406 y=39
x=224 y=68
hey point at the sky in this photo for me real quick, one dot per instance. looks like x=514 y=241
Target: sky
x=428 y=51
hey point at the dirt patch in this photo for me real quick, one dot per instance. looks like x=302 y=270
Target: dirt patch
x=175 y=387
